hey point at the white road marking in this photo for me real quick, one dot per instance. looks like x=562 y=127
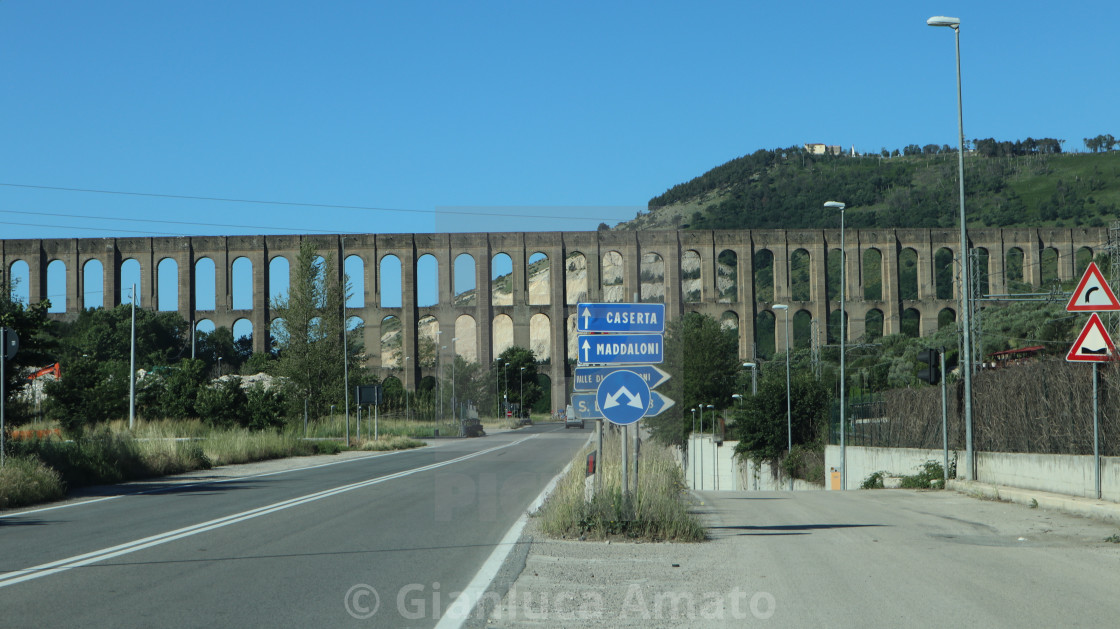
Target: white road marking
x=462 y=607
x=42 y=570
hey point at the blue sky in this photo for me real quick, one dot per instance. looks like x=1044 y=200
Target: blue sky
x=493 y=116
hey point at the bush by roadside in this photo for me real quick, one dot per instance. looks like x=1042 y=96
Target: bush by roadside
x=658 y=512
x=395 y=442
x=25 y=480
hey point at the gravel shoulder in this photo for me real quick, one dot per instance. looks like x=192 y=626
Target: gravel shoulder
x=569 y=583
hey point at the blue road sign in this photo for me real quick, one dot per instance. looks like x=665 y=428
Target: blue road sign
x=623 y=397
x=658 y=404
x=588 y=378
x=620 y=349
x=584 y=406
x=630 y=317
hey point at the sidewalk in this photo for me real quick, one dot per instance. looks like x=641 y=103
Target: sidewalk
x=569 y=583
x=1074 y=505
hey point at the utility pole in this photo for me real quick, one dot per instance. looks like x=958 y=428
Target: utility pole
x=132 y=367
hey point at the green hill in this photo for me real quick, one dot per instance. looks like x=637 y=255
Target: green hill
x=1026 y=183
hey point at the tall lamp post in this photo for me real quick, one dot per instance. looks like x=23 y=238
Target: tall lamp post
x=754 y=377
x=715 y=461
x=440 y=380
x=521 y=399
x=700 y=448
x=789 y=403
x=738 y=398
x=843 y=346
x=407 y=410
x=966 y=286
x=454 y=402
x=690 y=453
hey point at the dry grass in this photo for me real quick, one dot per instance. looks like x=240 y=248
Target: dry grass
x=26 y=480
x=390 y=443
x=658 y=511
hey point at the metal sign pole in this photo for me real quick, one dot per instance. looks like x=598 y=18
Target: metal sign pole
x=3 y=388
x=598 y=454
x=625 y=436
x=944 y=424
x=1096 y=437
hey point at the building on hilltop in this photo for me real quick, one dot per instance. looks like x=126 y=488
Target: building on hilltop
x=822 y=149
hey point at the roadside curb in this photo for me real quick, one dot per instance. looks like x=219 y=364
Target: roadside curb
x=1075 y=505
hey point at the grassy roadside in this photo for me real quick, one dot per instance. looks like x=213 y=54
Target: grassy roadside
x=659 y=511
x=39 y=470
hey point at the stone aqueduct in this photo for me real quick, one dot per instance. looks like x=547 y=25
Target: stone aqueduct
x=732 y=299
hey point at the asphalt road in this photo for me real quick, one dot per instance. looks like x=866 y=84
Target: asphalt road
x=920 y=559
x=380 y=541
x=862 y=559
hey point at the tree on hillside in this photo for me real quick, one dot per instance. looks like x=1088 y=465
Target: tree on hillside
x=1103 y=142
x=309 y=330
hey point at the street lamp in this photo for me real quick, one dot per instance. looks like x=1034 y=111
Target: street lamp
x=955 y=24
x=843 y=341
x=407 y=410
x=440 y=381
x=715 y=460
x=736 y=396
x=454 y=403
x=505 y=388
x=521 y=399
x=789 y=404
x=219 y=366
x=691 y=439
x=700 y=448
x=754 y=377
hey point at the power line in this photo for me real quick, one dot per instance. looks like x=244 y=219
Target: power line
x=330 y=206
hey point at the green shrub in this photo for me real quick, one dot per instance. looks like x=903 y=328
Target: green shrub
x=264 y=408
x=222 y=405
x=25 y=480
x=95 y=458
x=874 y=481
x=326 y=447
x=931 y=471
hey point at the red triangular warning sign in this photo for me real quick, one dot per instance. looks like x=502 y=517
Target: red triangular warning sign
x=1093 y=293
x=1093 y=344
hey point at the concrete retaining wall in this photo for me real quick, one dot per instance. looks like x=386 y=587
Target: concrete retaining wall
x=863 y=462
x=1071 y=475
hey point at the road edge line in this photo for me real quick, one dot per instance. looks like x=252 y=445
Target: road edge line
x=463 y=607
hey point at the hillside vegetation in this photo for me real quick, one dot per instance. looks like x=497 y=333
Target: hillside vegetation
x=1027 y=183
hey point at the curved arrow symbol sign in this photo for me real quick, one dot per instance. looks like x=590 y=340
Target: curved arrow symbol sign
x=623 y=397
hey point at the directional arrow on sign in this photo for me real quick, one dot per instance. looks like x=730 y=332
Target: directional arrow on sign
x=623 y=397
x=631 y=399
x=658 y=404
x=1093 y=293
x=621 y=349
